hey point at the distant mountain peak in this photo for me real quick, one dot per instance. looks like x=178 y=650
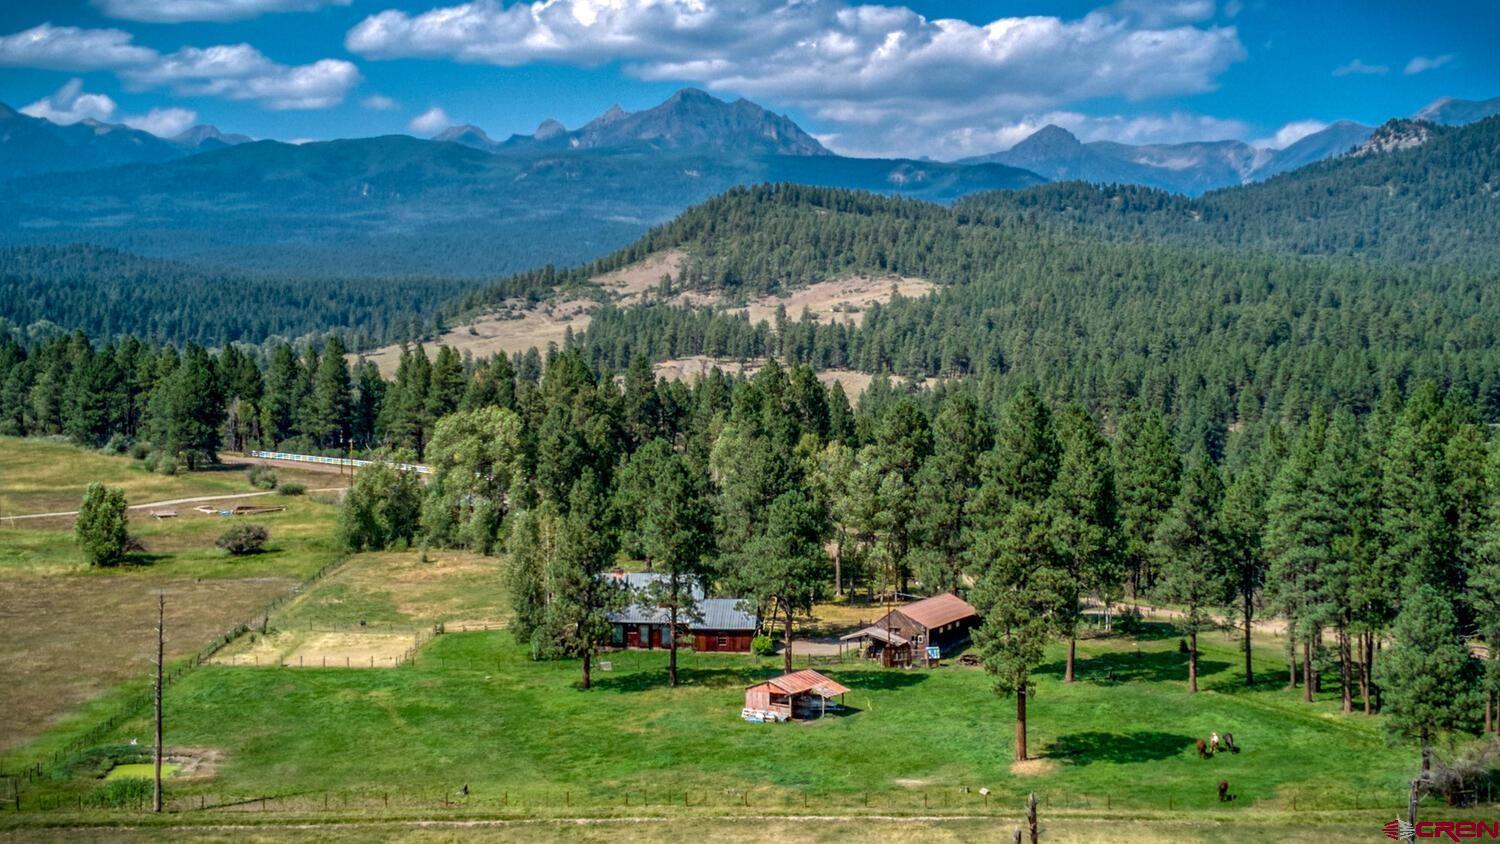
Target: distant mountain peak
x=207 y=136
x=1451 y=111
x=695 y=119
x=1050 y=138
x=467 y=135
x=1395 y=134
x=613 y=114
x=549 y=128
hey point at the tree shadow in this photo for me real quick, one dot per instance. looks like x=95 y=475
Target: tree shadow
x=656 y=678
x=1138 y=746
x=1130 y=666
x=872 y=681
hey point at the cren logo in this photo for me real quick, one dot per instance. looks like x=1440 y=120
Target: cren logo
x=1450 y=830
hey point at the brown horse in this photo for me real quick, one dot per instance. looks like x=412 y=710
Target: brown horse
x=1202 y=748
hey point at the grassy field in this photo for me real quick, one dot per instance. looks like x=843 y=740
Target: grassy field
x=75 y=634
x=46 y=476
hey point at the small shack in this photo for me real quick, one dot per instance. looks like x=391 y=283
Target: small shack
x=801 y=694
x=909 y=632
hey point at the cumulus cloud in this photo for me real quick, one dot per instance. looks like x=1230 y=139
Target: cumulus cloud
x=163 y=122
x=236 y=72
x=69 y=104
x=1421 y=64
x=378 y=102
x=1291 y=133
x=432 y=120
x=862 y=67
x=70 y=48
x=177 y=11
x=1359 y=68
x=241 y=72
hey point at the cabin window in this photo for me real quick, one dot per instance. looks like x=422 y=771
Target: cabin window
x=617 y=634
x=723 y=641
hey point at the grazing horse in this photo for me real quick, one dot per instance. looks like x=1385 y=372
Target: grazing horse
x=1224 y=795
x=1202 y=748
x=1229 y=743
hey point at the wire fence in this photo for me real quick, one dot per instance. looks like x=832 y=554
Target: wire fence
x=131 y=706
x=461 y=800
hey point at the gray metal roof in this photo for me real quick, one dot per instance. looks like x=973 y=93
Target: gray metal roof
x=716 y=614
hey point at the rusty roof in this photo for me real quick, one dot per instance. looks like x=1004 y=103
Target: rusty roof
x=938 y=610
x=802 y=681
x=879 y=634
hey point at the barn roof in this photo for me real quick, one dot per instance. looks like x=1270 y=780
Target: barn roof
x=806 y=680
x=938 y=610
x=714 y=614
x=879 y=634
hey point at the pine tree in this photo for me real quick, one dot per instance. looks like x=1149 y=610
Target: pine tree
x=581 y=594
x=1426 y=677
x=783 y=568
x=1148 y=472
x=1087 y=527
x=1192 y=557
x=1301 y=523
x=332 y=400
x=945 y=485
x=678 y=536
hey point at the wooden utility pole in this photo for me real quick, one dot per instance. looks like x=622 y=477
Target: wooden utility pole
x=161 y=622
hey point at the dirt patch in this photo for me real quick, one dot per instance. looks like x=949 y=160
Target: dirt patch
x=1034 y=768
x=839 y=300
x=630 y=282
x=510 y=329
x=297 y=649
x=912 y=783
x=696 y=366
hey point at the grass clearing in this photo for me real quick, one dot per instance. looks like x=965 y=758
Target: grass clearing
x=78 y=637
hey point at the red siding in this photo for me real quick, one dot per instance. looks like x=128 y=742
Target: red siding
x=730 y=641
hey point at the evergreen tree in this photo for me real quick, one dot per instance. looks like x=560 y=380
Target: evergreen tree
x=533 y=542
x=332 y=400
x=1192 y=557
x=783 y=569
x=944 y=486
x=581 y=596
x=678 y=536
x=1148 y=472
x=1426 y=676
x=1087 y=526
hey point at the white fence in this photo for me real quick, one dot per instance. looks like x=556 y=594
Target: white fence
x=336 y=461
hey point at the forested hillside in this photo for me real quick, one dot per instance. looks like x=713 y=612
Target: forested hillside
x=108 y=293
x=1436 y=202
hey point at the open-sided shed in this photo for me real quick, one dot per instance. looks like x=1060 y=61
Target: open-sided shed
x=800 y=694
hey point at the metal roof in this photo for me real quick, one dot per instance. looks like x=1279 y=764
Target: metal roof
x=879 y=634
x=938 y=610
x=806 y=680
x=714 y=613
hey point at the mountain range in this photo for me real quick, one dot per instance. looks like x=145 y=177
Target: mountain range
x=464 y=204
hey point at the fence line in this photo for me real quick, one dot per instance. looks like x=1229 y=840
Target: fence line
x=133 y=705
x=336 y=461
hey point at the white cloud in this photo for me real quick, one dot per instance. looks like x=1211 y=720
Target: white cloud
x=69 y=104
x=1359 y=68
x=378 y=102
x=241 y=72
x=1420 y=64
x=70 y=48
x=859 y=67
x=163 y=122
x=1291 y=133
x=176 y=11
x=232 y=71
x=432 y=120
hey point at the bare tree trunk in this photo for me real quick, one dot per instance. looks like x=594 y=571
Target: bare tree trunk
x=1249 y=625
x=1291 y=656
x=1307 y=670
x=1031 y=824
x=161 y=638
x=1193 y=662
x=1021 y=724
x=787 y=650
x=587 y=667
x=838 y=566
x=1364 y=671
x=1072 y=656
x=1426 y=751
x=1317 y=676
x=1346 y=685
x=1489 y=711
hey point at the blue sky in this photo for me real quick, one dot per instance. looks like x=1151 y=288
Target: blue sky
x=935 y=77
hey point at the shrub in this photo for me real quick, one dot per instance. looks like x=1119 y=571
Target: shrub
x=167 y=465
x=122 y=793
x=293 y=488
x=101 y=526
x=151 y=460
x=118 y=444
x=762 y=646
x=139 y=450
x=241 y=540
x=261 y=476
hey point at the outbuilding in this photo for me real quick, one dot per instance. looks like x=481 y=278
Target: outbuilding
x=800 y=694
x=721 y=624
x=910 y=632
